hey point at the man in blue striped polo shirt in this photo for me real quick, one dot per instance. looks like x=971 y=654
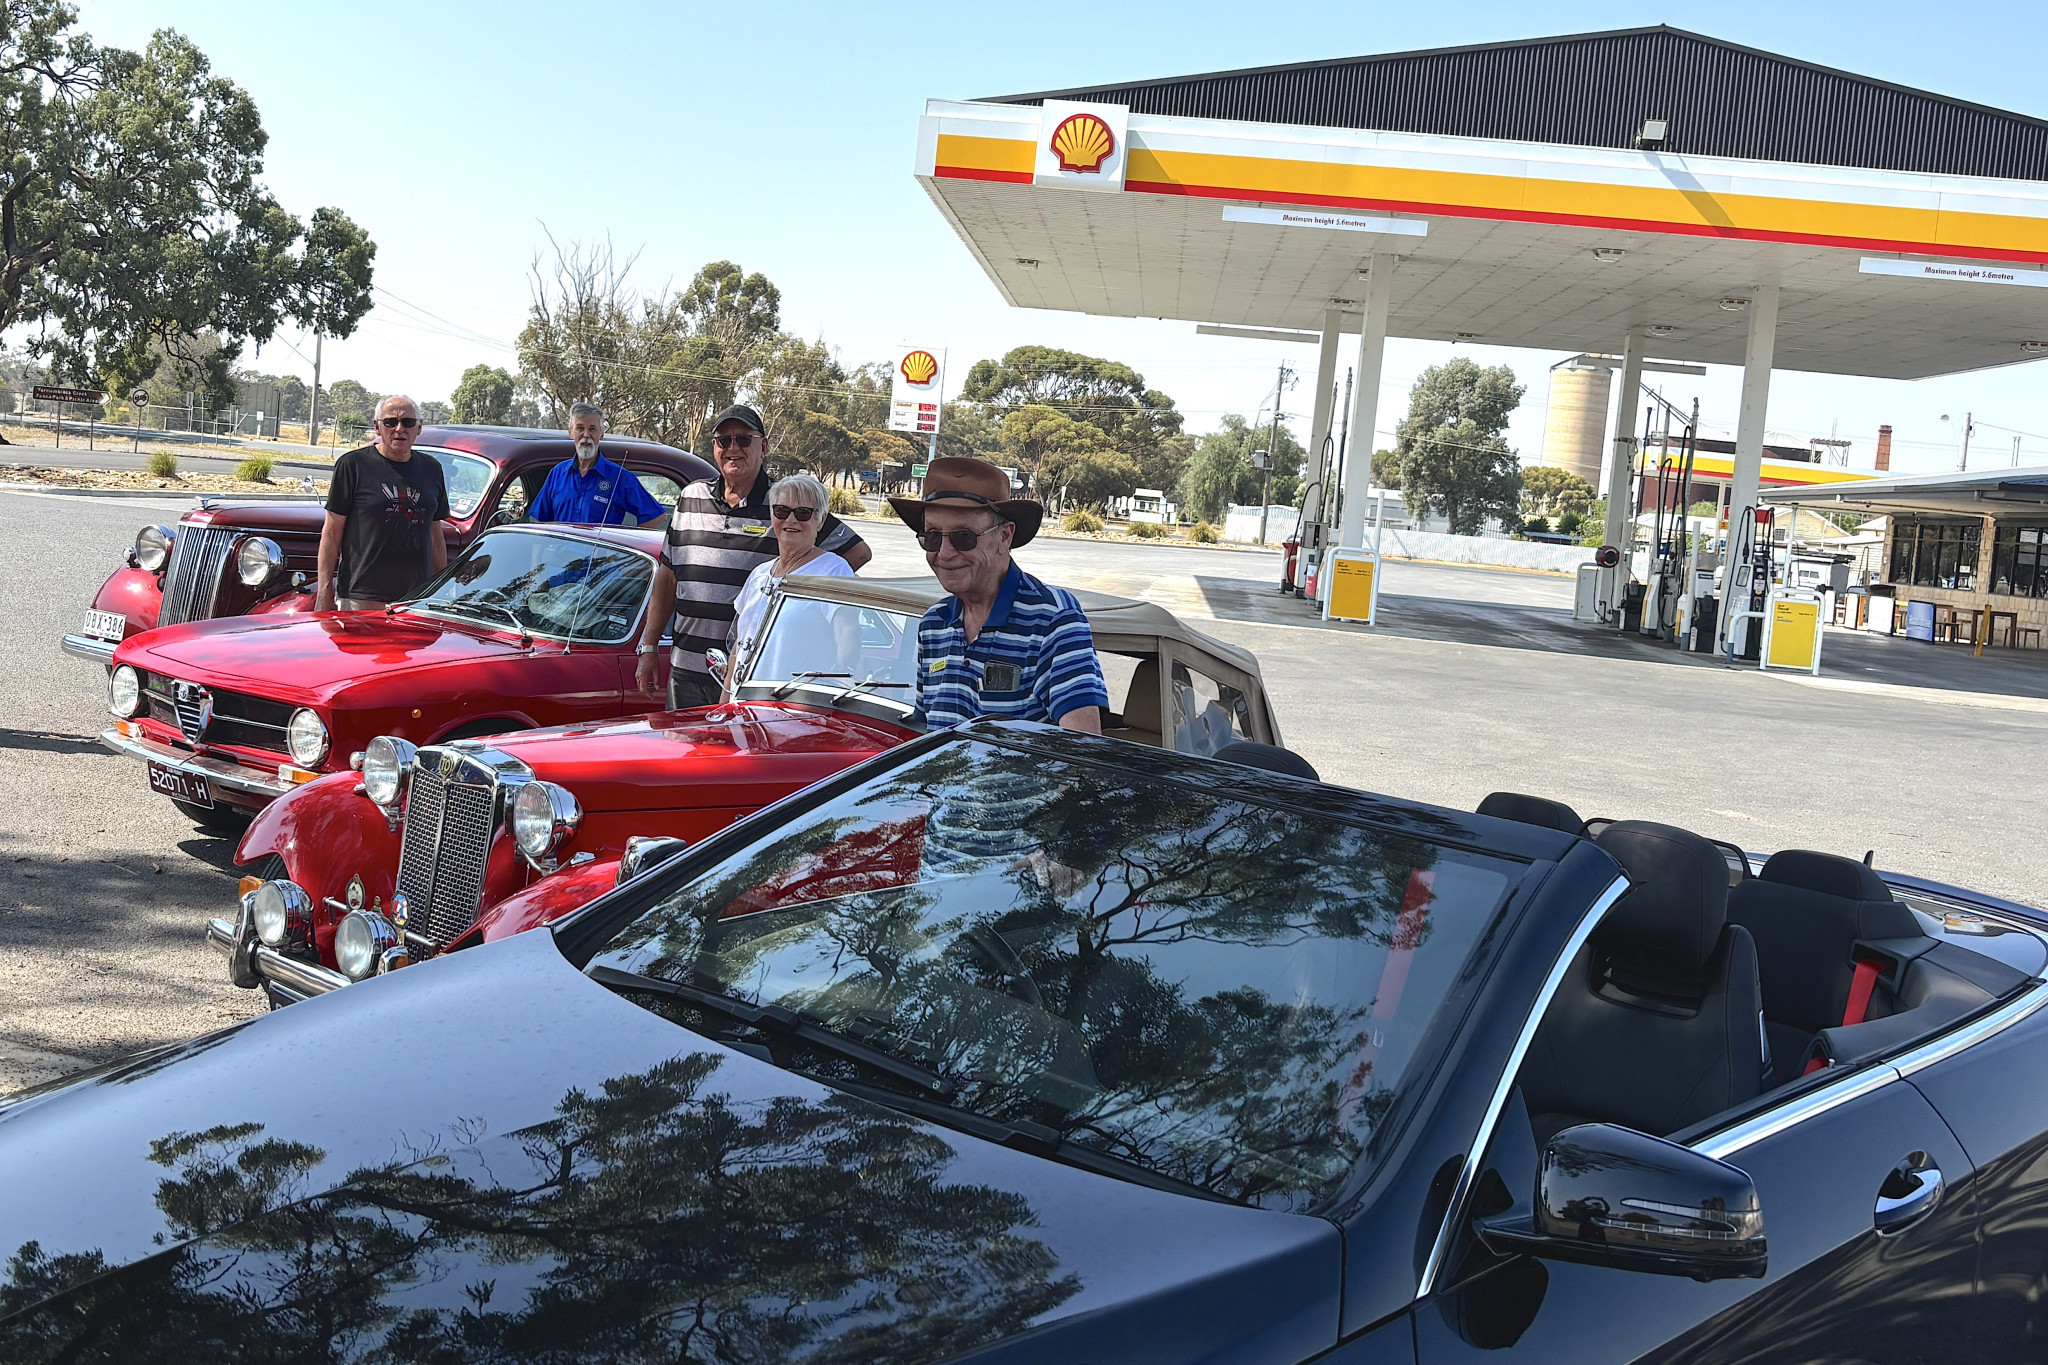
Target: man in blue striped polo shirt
x=1004 y=644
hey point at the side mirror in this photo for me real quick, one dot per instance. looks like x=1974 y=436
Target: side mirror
x=644 y=852
x=719 y=663
x=1607 y=1195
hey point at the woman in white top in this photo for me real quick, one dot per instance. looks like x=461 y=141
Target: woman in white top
x=797 y=504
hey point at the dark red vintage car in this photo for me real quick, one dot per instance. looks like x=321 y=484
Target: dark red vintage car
x=439 y=847
x=229 y=558
x=529 y=626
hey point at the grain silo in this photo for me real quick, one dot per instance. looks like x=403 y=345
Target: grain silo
x=1575 y=427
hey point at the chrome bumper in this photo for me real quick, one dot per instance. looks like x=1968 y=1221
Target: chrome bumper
x=89 y=647
x=228 y=776
x=252 y=964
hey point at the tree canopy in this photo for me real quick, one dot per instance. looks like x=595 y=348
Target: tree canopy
x=1220 y=472
x=132 y=219
x=483 y=396
x=1550 y=489
x=1453 y=459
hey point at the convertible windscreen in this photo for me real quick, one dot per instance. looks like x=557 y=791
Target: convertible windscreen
x=1211 y=991
x=867 y=647
x=549 y=585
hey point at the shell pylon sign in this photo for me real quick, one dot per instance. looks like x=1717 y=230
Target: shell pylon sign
x=915 y=393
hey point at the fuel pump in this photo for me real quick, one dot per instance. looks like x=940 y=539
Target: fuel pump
x=1749 y=581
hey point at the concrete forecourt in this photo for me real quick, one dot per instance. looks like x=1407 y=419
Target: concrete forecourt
x=1476 y=681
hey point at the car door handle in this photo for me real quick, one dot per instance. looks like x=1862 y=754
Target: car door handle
x=1908 y=1194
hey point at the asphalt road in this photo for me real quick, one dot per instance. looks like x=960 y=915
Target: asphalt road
x=1475 y=680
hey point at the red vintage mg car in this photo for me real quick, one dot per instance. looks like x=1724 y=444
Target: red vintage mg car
x=438 y=847
x=229 y=558
x=529 y=626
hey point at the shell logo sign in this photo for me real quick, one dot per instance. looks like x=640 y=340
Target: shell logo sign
x=1082 y=143
x=914 y=394
x=919 y=368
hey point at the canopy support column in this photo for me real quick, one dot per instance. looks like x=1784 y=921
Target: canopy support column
x=1749 y=455
x=1365 y=401
x=1320 y=469
x=1621 y=456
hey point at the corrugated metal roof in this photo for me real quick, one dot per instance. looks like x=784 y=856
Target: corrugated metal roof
x=1596 y=89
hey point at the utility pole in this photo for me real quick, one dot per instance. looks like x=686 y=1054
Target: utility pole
x=2015 y=452
x=1969 y=425
x=1333 y=493
x=1272 y=451
x=313 y=405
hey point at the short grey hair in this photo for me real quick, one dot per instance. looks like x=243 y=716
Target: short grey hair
x=396 y=398
x=581 y=409
x=804 y=488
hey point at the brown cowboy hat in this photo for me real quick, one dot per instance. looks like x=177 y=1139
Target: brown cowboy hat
x=961 y=481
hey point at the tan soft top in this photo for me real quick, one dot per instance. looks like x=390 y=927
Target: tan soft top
x=1114 y=620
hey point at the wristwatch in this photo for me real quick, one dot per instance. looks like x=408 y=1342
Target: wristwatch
x=645 y=648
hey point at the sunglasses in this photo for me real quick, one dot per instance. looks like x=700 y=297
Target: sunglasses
x=963 y=541
x=743 y=439
x=800 y=513
x=398 y=423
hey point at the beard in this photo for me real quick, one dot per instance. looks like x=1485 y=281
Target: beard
x=586 y=451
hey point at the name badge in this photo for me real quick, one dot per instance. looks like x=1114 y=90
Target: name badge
x=938 y=666
x=1001 y=678
x=753 y=529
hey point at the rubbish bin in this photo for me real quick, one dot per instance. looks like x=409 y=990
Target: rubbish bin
x=1292 y=553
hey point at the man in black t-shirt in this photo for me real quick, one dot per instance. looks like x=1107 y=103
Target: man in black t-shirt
x=385 y=507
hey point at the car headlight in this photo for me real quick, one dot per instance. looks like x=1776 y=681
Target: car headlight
x=544 y=815
x=360 y=941
x=306 y=737
x=283 y=913
x=124 y=692
x=153 y=547
x=385 y=764
x=258 y=561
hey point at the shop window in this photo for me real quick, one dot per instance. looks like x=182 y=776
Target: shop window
x=1938 y=555
x=2019 y=561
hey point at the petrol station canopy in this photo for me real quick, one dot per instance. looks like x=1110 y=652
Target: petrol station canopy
x=1554 y=194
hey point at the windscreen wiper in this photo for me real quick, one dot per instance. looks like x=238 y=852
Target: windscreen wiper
x=1023 y=1136
x=777 y=1019
x=795 y=678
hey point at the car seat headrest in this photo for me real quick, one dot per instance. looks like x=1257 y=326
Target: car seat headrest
x=1677 y=900
x=1827 y=873
x=1533 y=810
x=1271 y=757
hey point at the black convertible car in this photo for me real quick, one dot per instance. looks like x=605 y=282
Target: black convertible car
x=1015 y=1045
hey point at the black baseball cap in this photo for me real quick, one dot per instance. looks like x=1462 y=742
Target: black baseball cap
x=740 y=412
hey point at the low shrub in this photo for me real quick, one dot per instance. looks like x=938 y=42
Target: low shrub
x=1086 y=523
x=255 y=469
x=1202 y=533
x=1570 y=523
x=163 y=464
x=847 y=503
x=1539 y=525
x=1146 y=530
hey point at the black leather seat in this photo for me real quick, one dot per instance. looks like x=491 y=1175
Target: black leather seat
x=1532 y=810
x=1657 y=1023
x=1274 y=759
x=1806 y=911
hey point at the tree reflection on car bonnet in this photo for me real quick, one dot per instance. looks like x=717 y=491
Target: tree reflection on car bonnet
x=1225 y=992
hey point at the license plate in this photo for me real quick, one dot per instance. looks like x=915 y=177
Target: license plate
x=180 y=785
x=105 y=625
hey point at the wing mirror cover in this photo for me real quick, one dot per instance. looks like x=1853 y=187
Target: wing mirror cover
x=1607 y=1195
x=645 y=852
x=719 y=664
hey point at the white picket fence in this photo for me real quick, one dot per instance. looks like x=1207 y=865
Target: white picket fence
x=1513 y=554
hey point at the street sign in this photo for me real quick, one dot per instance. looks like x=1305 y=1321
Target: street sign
x=140 y=397
x=49 y=393
x=914 y=394
x=917 y=470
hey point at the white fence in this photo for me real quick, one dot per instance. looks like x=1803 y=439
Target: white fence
x=1242 y=523
x=1513 y=554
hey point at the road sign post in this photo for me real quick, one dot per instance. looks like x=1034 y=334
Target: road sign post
x=52 y=393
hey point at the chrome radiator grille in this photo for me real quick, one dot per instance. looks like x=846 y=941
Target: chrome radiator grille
x=449 y=821
x=192 y=579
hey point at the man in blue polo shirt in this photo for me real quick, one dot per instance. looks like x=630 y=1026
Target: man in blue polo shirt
x=1004 y=644
x=591 y=490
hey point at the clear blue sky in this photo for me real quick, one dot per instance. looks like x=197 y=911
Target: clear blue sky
x=781 y=136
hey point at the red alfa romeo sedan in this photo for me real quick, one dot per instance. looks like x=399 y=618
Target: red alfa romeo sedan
x=530 y=626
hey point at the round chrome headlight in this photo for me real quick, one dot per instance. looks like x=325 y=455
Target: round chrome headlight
x=153 y=547
x=360 y=941
x=385 y=764
x=544 y=815
x=124 y=692
x=258 y=561
x=283 y=913
x=306 y=737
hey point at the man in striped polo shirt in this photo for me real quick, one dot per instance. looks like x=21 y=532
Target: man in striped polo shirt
x=719 y=532
x=1004 y=644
